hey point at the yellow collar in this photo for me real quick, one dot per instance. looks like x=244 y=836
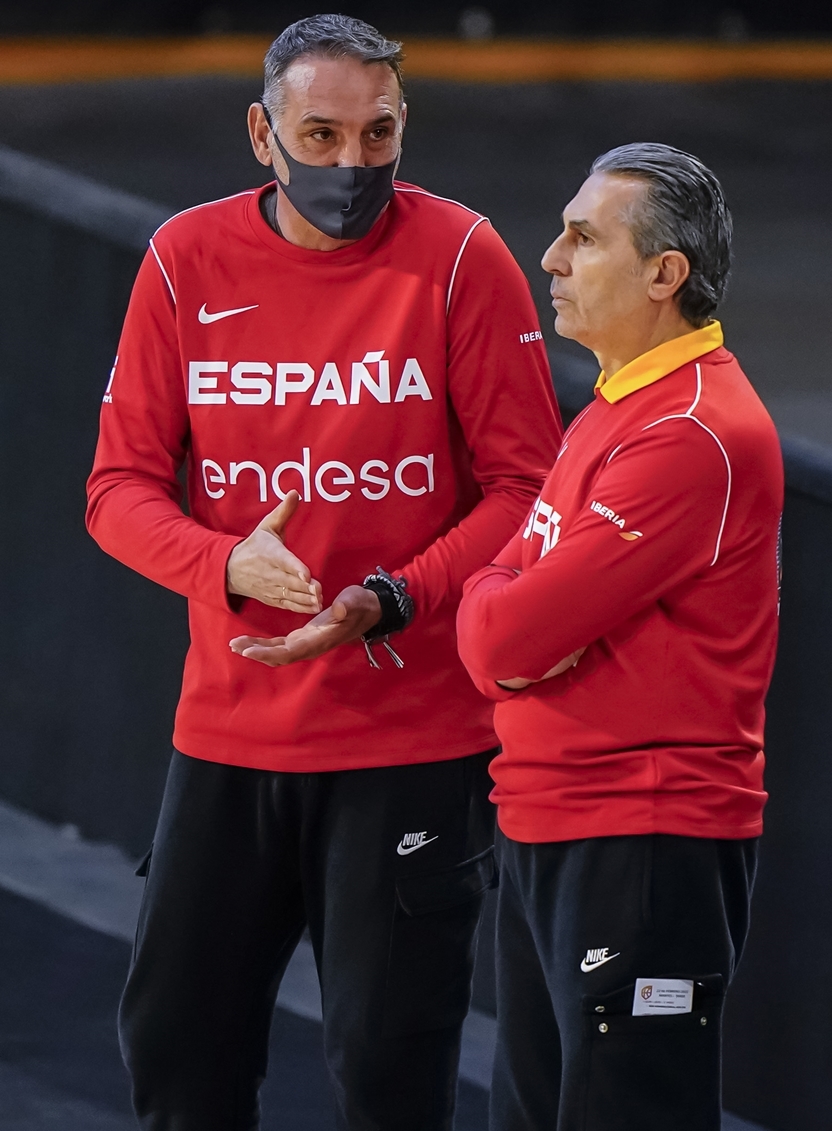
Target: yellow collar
x=658 y=362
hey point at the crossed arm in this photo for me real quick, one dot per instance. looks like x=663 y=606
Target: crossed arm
x=520 y=628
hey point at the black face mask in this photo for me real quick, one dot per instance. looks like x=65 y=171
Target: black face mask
x=343 y=203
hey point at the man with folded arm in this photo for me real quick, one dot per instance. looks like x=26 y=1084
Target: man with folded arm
x=628 y=634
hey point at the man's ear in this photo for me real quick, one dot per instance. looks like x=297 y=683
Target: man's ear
x=671 y=269
x=259 y=132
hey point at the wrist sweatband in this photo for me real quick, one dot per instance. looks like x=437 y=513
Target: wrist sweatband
x=397 y=607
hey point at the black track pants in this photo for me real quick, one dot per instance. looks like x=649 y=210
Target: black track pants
x=577 y=923
x=387 y=867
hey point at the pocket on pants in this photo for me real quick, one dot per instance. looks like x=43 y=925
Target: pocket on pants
x=431 y=956
x=653 y=1073
x=142 y=871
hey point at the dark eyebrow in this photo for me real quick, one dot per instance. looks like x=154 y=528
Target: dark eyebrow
x=580 y=226
x=316 y=119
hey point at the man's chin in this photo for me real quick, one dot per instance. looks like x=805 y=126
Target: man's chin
x=564 y=327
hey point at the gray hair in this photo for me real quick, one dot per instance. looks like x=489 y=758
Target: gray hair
x=331 y=37
x=683 y=209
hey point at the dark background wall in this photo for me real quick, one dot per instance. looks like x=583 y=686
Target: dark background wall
x=778 y=1066
x=92 y=653
x=725 y=18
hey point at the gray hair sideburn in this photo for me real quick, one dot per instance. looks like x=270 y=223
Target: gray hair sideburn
x=683 y=209
x=330 y=37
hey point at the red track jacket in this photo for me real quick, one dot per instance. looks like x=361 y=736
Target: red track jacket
x=654 y=544
x=401 y=385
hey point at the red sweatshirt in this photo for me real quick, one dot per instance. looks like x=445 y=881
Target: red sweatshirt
x=401 y=385
x=654 y=544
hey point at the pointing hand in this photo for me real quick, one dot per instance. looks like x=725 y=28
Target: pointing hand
x=261 y=567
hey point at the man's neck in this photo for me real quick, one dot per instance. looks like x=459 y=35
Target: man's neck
x=666 y=327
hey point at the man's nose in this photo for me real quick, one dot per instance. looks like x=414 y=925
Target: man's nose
x=554 y=261
x=351 y=153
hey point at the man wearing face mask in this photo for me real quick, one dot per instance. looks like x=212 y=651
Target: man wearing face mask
x=352 y=369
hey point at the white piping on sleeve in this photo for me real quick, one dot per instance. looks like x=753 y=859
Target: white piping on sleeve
x=728 y=491
x=689 y=412
x=689 y=416
x=447 y=199
x=577 y=419
x=459 y=256
x=698 y=390
x=184 y=212
x=205 y=204
x=164 y=272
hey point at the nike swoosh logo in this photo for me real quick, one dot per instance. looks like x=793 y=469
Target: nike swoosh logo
x=206 y=318
x=402 y=851
x=589 y=966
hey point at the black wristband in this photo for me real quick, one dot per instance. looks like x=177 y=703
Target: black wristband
x=397 y=608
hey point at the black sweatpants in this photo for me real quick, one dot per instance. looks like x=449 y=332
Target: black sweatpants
x=577 y=923
x=387 y=868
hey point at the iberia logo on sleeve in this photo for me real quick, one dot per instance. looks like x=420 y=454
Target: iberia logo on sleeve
x=616 y=520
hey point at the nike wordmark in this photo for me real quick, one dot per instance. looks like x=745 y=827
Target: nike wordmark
x=411 y=841
x=206 y=318
x=596 y=958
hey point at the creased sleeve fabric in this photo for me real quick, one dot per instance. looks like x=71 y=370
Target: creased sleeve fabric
x=134 y=507
x=600 y=573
